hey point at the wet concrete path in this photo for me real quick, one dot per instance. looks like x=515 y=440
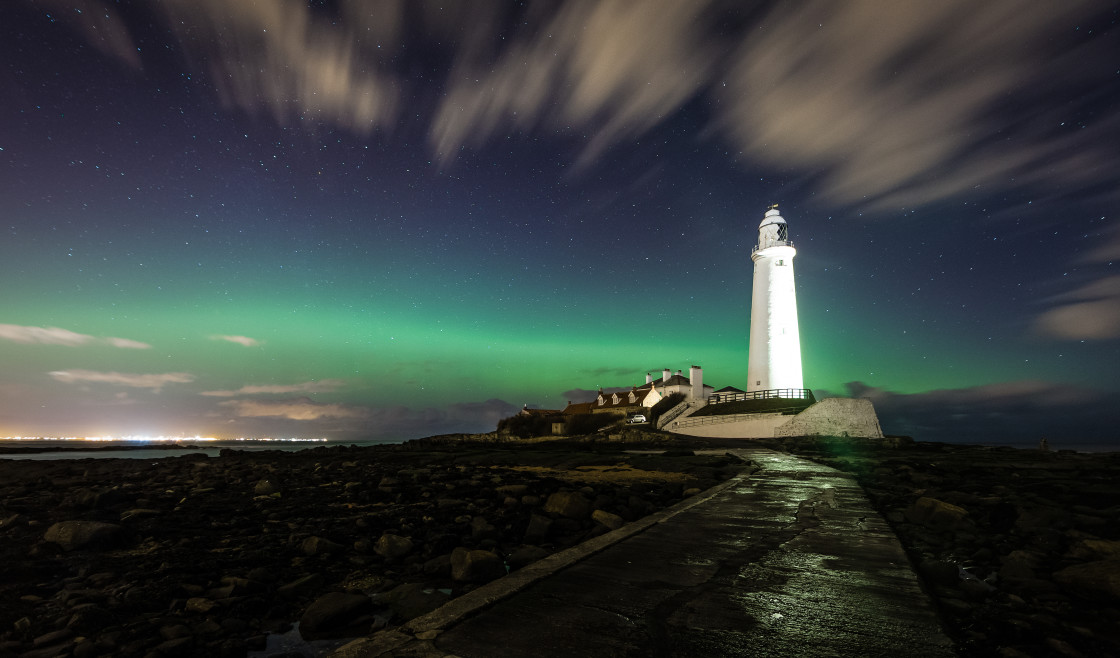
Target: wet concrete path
x=789 y=561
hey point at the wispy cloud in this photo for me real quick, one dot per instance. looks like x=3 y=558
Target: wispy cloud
x=887 y=98
x=614 y=68
x=320 y=386
x=1091 y=312
x=99 y=23
x=240 y=340
x=125 y=343
x=56 y=336
x=154 y=382
x=297 y=409
x=892 y=104
x=282 y=58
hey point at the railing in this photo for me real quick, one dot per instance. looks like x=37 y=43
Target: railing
x=768 y=394
x=775 y=243
x=669 y=415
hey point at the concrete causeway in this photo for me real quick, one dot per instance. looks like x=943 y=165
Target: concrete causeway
x=788 y=561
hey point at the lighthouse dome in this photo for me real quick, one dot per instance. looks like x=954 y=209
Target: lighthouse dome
x=771 y=217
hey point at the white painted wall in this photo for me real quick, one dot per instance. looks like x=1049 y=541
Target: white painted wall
x=755 y=427
x=774 y=359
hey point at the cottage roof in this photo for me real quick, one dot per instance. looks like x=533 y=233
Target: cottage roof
x=578 y=408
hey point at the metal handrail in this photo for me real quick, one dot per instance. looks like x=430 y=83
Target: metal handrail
x=776 y=243
x=768 y=394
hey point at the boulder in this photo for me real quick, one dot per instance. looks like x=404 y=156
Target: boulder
x=334 y=614
x=265 y=487
x=71 y=535
x=482 y=529
x=611 y=521
x=937 y=514
x=1088 y=549
x=569 y=504
x=301 y=585
x=1100 y=579
x=538 y=528
x=392 y=546
x=475 y=566
x=320 y=546
x=525 y=555
x=411 y=600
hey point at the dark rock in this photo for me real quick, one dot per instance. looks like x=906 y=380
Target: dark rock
x=439 y=566
x=482 y=529
x=320 y=546
x=393 y=546
x=525 y=555
x=183 y=646
x=606 y=519
x=334 y=614
x=71 y=535
x=175 y=631
x=939 y=572
x=475 y=566
x=199 y=605
x=936 y=514
x=512 y=490
x=411 y=600
x=569 y=504
x=265 y=487
x=301 y=585
x=538 y=529
x=1100 y=579
x=53 y=637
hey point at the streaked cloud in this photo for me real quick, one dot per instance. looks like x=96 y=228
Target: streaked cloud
x=319 y=386
x=297 y=409
x=890 y=104
x=240 y=340
x=152 y=381
x=896 y=102
x=611 y=69
x=100 y=24
x=1091 y=312
x=56 y=336
x=283 y=59
x=125 y=343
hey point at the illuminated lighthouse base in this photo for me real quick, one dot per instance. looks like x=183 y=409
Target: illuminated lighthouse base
x=774 y=360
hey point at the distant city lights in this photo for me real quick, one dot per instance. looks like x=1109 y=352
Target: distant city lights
x=158 y=439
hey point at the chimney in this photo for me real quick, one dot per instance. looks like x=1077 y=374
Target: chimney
x=665 y=375
x=649 y=378
x=696 y=377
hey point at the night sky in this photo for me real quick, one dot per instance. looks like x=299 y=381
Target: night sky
x=391 y=219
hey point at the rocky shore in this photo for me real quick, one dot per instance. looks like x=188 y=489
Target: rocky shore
x=1020 y=549
x=192 y=555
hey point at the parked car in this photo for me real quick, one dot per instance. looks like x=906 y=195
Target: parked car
x=635 y=419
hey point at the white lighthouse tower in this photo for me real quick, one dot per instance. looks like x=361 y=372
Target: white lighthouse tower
x=774 y=360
